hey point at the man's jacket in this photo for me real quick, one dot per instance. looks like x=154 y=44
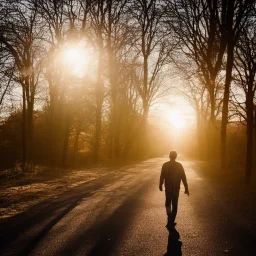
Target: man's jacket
x=171 y=175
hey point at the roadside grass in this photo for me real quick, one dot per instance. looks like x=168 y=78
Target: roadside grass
x=20 y=190
x=16 y=176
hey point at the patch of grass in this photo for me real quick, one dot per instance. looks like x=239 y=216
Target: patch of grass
x=32 y=173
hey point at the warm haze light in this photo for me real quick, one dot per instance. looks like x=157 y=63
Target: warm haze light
x=176 y=119
x=76 y=59
x=72 y=54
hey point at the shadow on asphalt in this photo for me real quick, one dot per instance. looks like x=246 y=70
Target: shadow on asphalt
x=45 y=214
x=174 y=244
x=108 y=233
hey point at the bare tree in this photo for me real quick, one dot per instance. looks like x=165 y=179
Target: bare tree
x=196 y=25
x=20 y=35
x=98 y=12
x=118 y=37
x=65 y=23
x=197 y=96
x=153 y=45
x=245 y=77
x=235 y=14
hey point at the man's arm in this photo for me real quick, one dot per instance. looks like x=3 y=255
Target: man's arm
x=184 y=180
x=161 y=182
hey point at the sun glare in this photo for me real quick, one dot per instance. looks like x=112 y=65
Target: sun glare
x=72 y=54
x=176 y=119
x=76 y=59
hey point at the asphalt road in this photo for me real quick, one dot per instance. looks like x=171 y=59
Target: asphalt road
x=123 y=213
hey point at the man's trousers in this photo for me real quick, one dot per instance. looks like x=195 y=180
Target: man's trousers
x=171 y=204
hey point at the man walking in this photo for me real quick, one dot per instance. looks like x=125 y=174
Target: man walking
x=171 y=175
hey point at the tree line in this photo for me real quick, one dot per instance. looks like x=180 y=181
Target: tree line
x=105 y=112
x=217 y=39
x=136 y=45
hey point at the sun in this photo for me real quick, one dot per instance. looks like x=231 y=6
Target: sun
x=76 y=59
x=176 y=119
x=72 y=54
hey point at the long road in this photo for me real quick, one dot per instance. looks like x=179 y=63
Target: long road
x=122 y=213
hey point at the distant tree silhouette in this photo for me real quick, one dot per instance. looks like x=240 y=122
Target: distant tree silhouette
x=244 y=76
x=20 y=35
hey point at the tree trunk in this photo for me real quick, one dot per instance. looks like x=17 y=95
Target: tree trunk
x=211 y=134
x=224 y=122
x=254 y=131
x=65 y=144
x=212 y=105
x=143 y=141
x=145 y=114
x=144 y=135
x=52 y=156
x=250 y=128
x=76 y=142
x=200 y=138
x=24 y=130
x=114 y=140
x=145 y=89
x=30 y=112
x=99 y=103
x=29 y=97
x=98 y=130
x=117 y=140
x=249 y=147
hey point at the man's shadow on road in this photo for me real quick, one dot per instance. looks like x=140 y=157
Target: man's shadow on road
x=174 y=244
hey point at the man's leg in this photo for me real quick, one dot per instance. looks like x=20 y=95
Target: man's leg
x=168 y=202
x=174 y=201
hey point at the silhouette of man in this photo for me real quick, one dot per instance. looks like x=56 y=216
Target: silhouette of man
x=171 y=175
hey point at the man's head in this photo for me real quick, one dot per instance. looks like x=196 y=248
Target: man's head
x=173 y=155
